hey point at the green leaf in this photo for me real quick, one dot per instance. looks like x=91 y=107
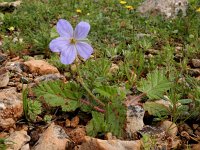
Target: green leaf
x=156 y=109
x=57 y=93
x=54 y=33
x=34 y=109
x=155 y=84
x=185 y=101
x=107 y=91
x=95 y=124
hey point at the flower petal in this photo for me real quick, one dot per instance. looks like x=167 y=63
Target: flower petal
x=58 y=44
x=84 y=49
x=82 y=30
x=64 y=28
x=68 y=54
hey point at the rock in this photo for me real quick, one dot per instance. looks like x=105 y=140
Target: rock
x=67 y=123
x=194 y=72
x=142 y=35
x=11 y=107
x=152 y=131
x=185 y=127
x=169 y=127
x=15 y=67
x=196 y=146
x=78 y=134
x=54 y=138
x=24 y=80
x=134 y=119
x=159 y=138
x=3 y=57
x=168 y=8
x=114 y=68
x=196 y=63
x=10 y=4
x=98 y=144
x=75 y=121
x=21 y=86
x=25 y=147
x=17 y=139
x=195 y=126
x=48 y=77
x=41 y=67
x=109 y=136
x=3 y=135
x=4 y=76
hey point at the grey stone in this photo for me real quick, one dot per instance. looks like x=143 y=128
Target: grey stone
x=48 y=77
x=4 y=77
x=196 y=63
x=14 y=67
x=11 y=107
x=134 y=119
x=2 y=58
x=168 y=8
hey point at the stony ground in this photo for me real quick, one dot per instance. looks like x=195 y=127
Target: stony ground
x=67 y=131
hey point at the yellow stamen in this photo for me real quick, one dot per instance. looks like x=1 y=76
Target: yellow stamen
x=72 y=41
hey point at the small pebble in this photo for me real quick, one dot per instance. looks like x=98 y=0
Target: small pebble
x=75 y=122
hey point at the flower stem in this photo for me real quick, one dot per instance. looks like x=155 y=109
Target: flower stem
x=80 y=80
x=94 y=107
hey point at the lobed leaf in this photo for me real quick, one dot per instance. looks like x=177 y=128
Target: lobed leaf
x=56 y=93
x=156 y=109
x=155 y=84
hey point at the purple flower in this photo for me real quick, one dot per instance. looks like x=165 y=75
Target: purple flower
x=71 y=42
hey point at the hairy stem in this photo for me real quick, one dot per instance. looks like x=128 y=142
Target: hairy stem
x=80 y=80
x=94 y=107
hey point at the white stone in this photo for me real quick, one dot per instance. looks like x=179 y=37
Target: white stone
x=168 y=8
x=134 y=119
x=98 y=144
x=4 y=77
x=17 y=139
x=11 y=107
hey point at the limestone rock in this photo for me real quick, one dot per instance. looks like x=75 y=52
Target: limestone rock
x=168 y=8
x=194 y=72
x=162 y=140
x=10 y=4
x=98 y=144
x=134 y=119
x=14 y=67
x=78 y=134
x=54 y=138
x=4 y=76
x=170 y=128
x=2 y=58
x=48 y=77
x=17 y=139
x=41 y=67
x=25 y=147
x=196 y=63
x=11 y=107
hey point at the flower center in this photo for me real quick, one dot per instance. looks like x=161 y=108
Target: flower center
x=72 y=41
